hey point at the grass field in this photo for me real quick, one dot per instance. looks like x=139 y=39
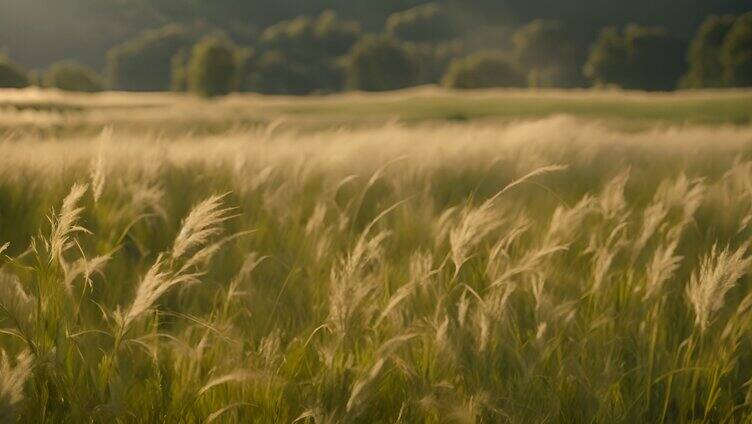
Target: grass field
x=42 y=113
x=413 y=257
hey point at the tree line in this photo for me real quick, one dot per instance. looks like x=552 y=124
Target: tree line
x=421 y=45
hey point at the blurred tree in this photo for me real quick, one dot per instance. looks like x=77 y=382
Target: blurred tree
x=145 y=63
x=657 y=59
x=311 y=49
x=39 y=32
x=12 y=75
x=736 y=53
x=642 y=58
x=608 y=62
x=335 y=37
x=179 y=71
x=483 y=70
x=429 y=23
x=704 y=56
x=548 y=54
x=433 y=60
x=304 y=38
x=34 y=78
x=294 y=37
x=244 y=61
x=211 y=68
x=379 y=64
x=72 y=76
x=274 y=73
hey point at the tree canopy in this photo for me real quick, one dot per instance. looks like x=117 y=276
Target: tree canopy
x=381 y=63
x=704 y=55
x=736 y=52
x=322 y=46
x=549 y=54
x=40 y=32
x=145 y=62
x=638 y=58
x=211 y=69
x=483 y=70
x=12 y=75
x=72 y=76
x=423 y=24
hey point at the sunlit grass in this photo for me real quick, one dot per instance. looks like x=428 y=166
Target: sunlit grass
x=546 y=271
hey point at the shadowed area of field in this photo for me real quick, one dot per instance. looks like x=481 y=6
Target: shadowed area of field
x=50 y=113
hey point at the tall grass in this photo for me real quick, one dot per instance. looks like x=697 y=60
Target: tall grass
x=550 y=271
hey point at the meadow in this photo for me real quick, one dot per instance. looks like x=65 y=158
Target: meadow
x=44 y=113
x=423 y=256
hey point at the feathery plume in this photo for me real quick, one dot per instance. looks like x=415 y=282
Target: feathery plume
x=474 y=225
x=611 y=200
x=12 y=381
x=65 y=224
x=359 y=391
x=85 y=268
x=202 y=223
x=98 y=173
x=15 y=302
x=661 y=268
x=238 y=376
x=155 y=283
x=566 y=222
x=352 y=286
x=708 y=286
x=534 y=173
x=199 y=226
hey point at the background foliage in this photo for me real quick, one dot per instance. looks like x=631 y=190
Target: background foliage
x=305 y=47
